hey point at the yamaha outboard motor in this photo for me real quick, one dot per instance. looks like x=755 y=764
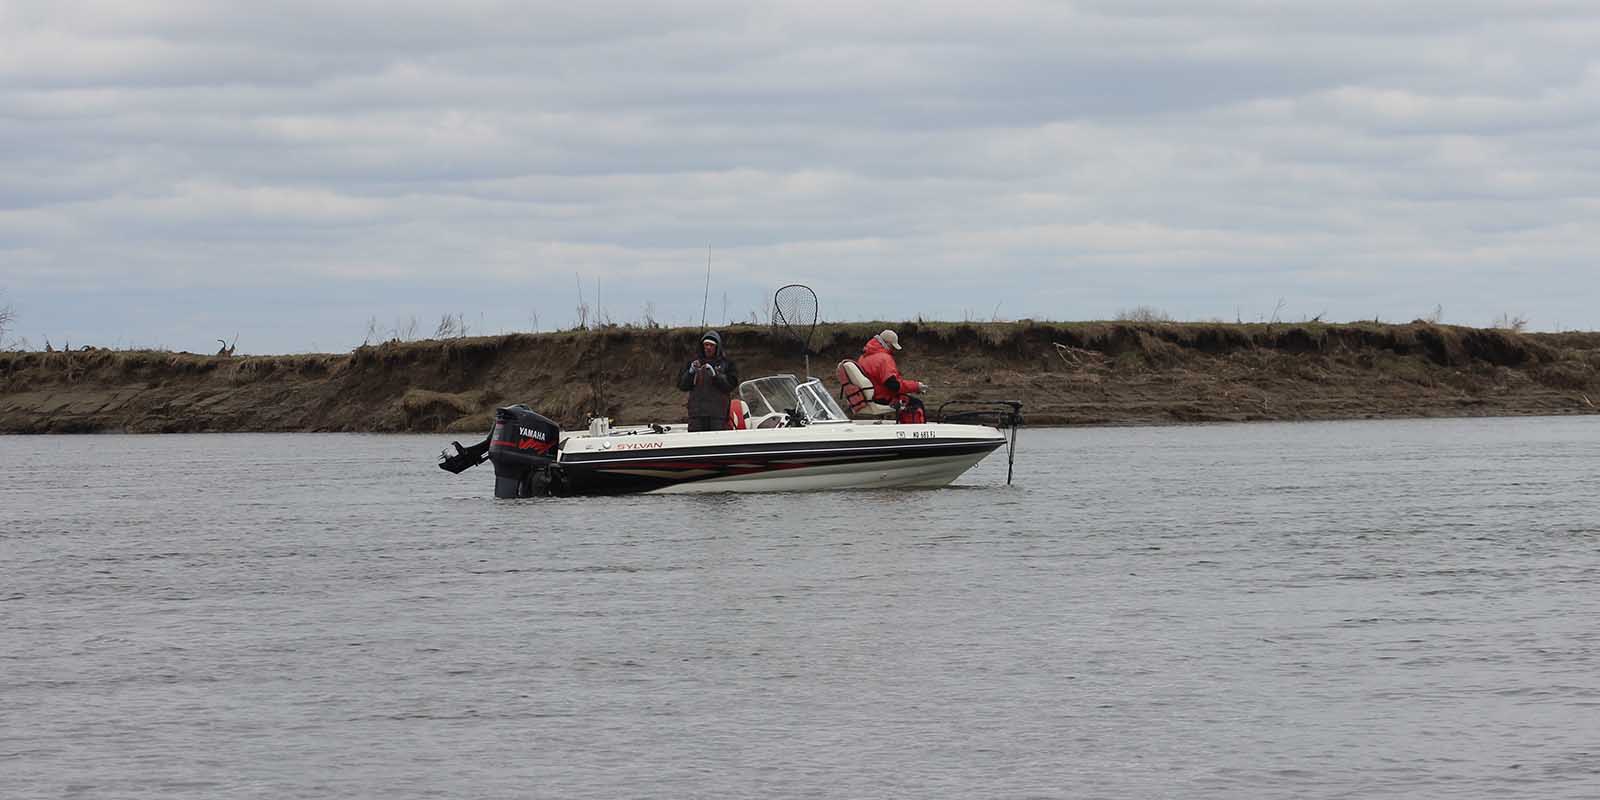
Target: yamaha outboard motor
x=522 y=445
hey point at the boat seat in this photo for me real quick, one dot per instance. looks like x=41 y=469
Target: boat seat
x=856 y=390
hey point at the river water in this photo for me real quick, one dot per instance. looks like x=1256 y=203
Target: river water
x=1363 y=609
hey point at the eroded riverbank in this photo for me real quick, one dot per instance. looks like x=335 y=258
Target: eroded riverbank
x=1103 y=373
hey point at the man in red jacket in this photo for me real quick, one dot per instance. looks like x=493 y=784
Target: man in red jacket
x=877 y=363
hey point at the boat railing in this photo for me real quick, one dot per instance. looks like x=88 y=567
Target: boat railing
x=1000 y=414
x=993 y=413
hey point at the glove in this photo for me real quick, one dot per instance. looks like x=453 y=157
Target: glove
x=923 y=386
x=711 y=372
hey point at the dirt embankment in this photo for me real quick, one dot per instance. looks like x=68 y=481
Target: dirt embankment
x=1065 y=373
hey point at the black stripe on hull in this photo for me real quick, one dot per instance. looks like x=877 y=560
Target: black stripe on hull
x=632 y=472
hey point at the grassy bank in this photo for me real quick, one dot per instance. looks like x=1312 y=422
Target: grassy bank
x=1065 y=373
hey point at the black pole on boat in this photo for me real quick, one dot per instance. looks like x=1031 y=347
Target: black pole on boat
x=991 y=416
x=1011 y=449
x=1011 y=454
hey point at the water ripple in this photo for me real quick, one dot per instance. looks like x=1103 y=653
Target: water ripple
x=1319 y=610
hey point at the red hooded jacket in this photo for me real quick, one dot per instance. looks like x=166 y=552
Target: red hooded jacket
x=879 y=367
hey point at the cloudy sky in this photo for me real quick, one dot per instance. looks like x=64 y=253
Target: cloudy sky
x=295 y=173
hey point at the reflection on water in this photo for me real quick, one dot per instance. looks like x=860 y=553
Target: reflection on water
x=1312 y=610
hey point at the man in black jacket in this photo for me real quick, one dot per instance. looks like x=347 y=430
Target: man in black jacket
x=710 y=381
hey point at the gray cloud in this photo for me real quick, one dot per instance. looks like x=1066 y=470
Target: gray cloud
x=1045 y=159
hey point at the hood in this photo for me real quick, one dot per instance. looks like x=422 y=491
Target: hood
x=713 y=336
x=874 y=346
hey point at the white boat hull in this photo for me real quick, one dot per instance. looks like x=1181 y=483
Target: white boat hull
x=930 y=473
x=850 y=455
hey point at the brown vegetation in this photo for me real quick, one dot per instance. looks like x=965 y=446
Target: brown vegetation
x=1066 y=373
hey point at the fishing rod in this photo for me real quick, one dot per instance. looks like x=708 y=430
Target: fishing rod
x=707 y=298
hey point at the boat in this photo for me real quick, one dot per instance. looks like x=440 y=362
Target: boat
x=797 y=439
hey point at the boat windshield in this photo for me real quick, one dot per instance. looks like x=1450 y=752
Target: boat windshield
x=783 y=392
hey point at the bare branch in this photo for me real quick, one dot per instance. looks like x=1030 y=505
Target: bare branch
x=1141 y=314
x=1515 y=323
x=446 y=327
x=6 y=317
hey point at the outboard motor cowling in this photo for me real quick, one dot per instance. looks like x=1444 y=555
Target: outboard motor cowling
x=522 y=444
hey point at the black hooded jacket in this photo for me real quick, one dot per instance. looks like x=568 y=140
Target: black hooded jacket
x=709 y=391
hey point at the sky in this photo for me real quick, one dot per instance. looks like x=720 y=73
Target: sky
x=305 y=176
